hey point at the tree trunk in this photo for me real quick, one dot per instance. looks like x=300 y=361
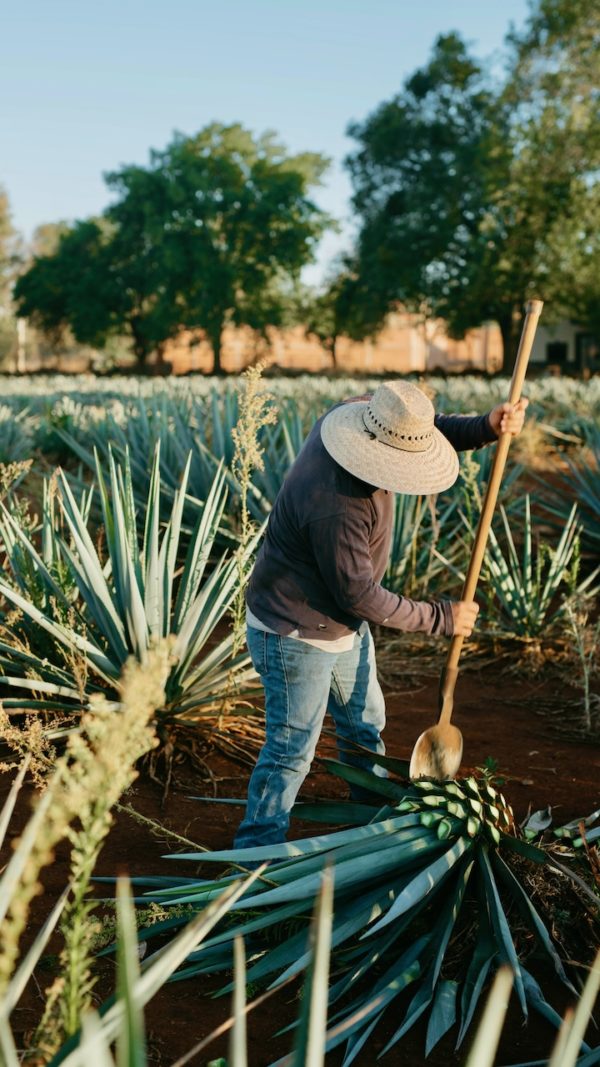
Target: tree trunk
x=510 y=324
x=216 y=338
x=333 y=351
x=140 y=346
x=162 y=367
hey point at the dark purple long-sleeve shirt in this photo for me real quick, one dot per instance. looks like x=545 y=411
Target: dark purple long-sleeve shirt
x=327 y=544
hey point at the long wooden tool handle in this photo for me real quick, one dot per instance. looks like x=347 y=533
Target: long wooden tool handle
x=450 y=671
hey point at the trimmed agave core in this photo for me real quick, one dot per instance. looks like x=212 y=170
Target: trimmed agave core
x=474 y=803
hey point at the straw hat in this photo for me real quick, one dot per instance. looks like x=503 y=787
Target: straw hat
x=390 y=441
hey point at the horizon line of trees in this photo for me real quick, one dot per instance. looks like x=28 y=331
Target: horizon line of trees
x=472 y=194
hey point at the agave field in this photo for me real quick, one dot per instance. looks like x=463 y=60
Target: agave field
x=130 y=716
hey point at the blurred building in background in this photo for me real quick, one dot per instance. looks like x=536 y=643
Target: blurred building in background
x=405 y=344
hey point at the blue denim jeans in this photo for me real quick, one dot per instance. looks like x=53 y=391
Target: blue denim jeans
x=301 y=684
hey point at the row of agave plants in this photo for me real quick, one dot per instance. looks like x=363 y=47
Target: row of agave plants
x=68 y=420
x=157 y=514
x=81 y=596
x=140 y=536
x=402 y=913
x=561 y=400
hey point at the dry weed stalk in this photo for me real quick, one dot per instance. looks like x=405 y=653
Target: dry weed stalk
x=11 y=472
x=31 y=741
x=586 y=641
x=255 y=412
x=96 y=769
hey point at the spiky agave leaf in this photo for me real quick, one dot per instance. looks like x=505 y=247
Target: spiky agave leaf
x=124 y=604
x=190 y=430
x=424 y=542
x=582 y=481
x=424 y=897
x=526 y=587
x=178 y=426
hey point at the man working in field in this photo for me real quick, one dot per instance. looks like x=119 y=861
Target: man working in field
x=316 y=586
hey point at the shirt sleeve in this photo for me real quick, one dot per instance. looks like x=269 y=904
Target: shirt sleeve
x=341 y=547
x=466 y=432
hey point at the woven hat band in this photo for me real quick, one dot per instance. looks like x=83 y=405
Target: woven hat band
x=414 y=437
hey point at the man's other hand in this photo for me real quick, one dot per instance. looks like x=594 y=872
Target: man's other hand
x=508 y=418
x=464 y=613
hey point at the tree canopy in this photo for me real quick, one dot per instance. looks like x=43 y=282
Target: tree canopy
x=206 y=234
x=473 y=196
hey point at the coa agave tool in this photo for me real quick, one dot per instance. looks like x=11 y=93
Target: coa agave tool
x=438 y=751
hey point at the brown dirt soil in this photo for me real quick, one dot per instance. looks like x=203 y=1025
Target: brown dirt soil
x=498 y=714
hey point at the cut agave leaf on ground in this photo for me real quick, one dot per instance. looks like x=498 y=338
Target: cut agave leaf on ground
x=336 y=811
x=365 y=779
x=390 y=763
x=538 y=822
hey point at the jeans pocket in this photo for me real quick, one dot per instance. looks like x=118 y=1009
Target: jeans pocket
x=257 y=647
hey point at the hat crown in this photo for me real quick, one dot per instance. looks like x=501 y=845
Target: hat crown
x=401 y=415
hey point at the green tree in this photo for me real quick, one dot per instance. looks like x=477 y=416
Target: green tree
x=465 y=190
x=420 y=185
x=235 y=225
x=68 y=288
x=209 y=233
x=68 y=292
x=104 y=281
x=552 y=99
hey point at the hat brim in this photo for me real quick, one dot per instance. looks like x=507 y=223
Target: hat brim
x=350 y=444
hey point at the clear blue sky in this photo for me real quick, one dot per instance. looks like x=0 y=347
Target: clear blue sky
x=86 y=85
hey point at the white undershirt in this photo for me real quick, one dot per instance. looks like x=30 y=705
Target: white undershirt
x=339 y=644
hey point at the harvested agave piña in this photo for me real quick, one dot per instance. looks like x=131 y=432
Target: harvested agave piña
x=425 y=894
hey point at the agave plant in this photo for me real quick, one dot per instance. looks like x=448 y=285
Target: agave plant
x=188 y=429
x=425 y=888
x=99 y=611
x=583 y=480
x=178 y=426
x=529 y=591
x=424 y=538
x=16 y=435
